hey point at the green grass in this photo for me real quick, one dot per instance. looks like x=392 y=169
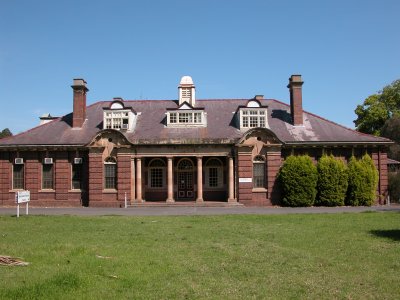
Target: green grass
x=346 y=256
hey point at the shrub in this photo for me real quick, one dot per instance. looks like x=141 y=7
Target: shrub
x=298 y=177
x=332 y=181
x=363 y=181
x=394 y=187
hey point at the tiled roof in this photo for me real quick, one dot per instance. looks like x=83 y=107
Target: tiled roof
x=221 y=126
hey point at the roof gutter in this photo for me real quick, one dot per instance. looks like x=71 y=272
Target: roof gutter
x=322 y=143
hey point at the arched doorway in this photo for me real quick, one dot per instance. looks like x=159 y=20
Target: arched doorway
x=185 y=172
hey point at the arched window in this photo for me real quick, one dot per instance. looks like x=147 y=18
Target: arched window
x=156 y=173
x=258 y=172
x=214 y=173
x=185 y=165
x=110 y=173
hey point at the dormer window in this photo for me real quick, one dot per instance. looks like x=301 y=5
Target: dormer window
x=186 y=116
x=118 y=117
x=253 y=115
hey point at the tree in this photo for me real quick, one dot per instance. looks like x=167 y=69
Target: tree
x=332 y=181
x=391 y=130
x=5 y=133
x=378 y=108
x=299 y=177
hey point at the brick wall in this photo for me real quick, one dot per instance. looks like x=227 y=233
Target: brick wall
x=95 y=178
x=124 y=176
x=245 y=170
x=274 y=162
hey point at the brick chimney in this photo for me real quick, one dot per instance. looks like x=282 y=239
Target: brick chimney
x=296 y=102
x=79 y=113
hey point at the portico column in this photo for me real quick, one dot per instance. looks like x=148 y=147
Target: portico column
x=139 y=180
x=133 y=180
x=199 y=179
x=231 y=186
x=170 y=182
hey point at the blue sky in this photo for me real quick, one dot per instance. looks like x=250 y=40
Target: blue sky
x=345 y=51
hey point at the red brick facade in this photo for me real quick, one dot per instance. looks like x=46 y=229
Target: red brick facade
x=246 y=141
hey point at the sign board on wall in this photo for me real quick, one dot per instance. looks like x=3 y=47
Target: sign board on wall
x=243 y=179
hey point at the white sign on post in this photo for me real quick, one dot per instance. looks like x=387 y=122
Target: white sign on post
x=22 y=197
x=243 y=179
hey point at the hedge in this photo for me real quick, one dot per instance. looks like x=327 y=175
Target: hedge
x=363 y=181
x=332 y=181
x=298 y=177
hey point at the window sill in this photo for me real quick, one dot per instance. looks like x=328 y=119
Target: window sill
x=16 y=190
x=110 y=191
x=75 y=191
x=46 y=191
x=259 y=190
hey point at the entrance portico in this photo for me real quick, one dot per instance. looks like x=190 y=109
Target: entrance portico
x=182 y=178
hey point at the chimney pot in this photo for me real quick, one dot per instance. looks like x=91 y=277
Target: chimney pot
x=79 y=82
x=259 y=97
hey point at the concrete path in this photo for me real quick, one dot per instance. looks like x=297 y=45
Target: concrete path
x=191 y=210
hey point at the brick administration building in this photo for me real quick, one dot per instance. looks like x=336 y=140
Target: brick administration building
x=227 y=150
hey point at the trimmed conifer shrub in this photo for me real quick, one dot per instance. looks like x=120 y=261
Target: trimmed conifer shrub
x=363 y=181
x=298 y=177
x=332 y=181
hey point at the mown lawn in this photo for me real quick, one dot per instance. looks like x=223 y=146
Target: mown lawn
x=352 y=256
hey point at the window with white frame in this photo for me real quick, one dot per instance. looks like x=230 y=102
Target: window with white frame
x=258 y=172
x=156 y=173
x=47 y=176
x=214 y=173
x=253 y=117
x=76 y=176
x=110 y=173
x=18 y=177
x=116 y=119
x=177 y=118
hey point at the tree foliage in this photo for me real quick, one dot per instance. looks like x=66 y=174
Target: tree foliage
x=332 y=181
x=394 y=187
x=391 y=130
x=363 y=181
x=5 y=133
x=378 y=108
x=298 y=176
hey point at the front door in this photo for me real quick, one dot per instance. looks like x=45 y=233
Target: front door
x=185 y=179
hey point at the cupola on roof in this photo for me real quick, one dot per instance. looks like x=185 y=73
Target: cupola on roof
x=187 y=91
x=186 y=80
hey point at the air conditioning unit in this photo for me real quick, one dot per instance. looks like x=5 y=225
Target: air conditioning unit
x=125 y=126
x=19 y=161
x=48 y=161
x=78 y=160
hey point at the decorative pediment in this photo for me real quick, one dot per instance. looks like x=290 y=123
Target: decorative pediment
x=259 y=136
x=109 y=140
x=259 y=141
x=106 y=137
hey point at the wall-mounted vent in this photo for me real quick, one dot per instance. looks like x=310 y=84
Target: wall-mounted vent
x=19 y=161
x=78 y=160
x=48 y=161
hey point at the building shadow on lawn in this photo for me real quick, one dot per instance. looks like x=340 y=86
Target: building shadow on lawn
x=393 y=234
